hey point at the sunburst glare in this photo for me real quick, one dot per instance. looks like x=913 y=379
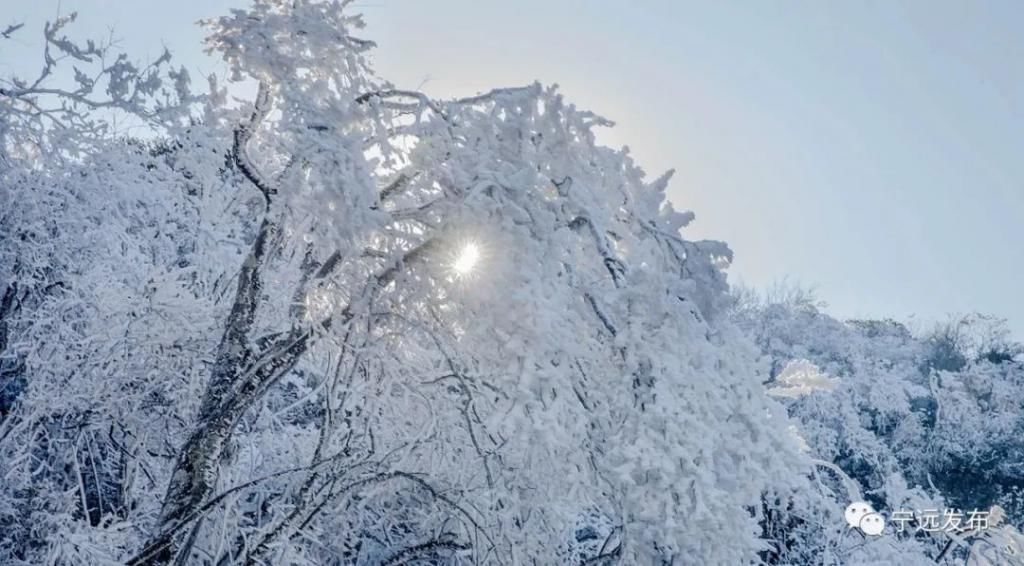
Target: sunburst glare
x=466 y=260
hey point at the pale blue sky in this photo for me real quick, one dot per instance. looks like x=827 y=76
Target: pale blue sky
x=873 y=150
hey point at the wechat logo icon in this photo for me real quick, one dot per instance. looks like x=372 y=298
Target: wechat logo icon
x=860 y=515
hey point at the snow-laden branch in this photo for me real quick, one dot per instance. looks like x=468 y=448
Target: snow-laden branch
x=243 y=133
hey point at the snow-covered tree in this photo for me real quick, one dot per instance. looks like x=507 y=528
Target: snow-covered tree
x=351 y=324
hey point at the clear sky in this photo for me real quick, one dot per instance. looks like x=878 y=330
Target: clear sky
x=872 y=150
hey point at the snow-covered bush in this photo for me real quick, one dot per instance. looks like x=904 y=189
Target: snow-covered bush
x=928 y=421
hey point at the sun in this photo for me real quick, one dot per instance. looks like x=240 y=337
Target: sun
x=466 y=260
